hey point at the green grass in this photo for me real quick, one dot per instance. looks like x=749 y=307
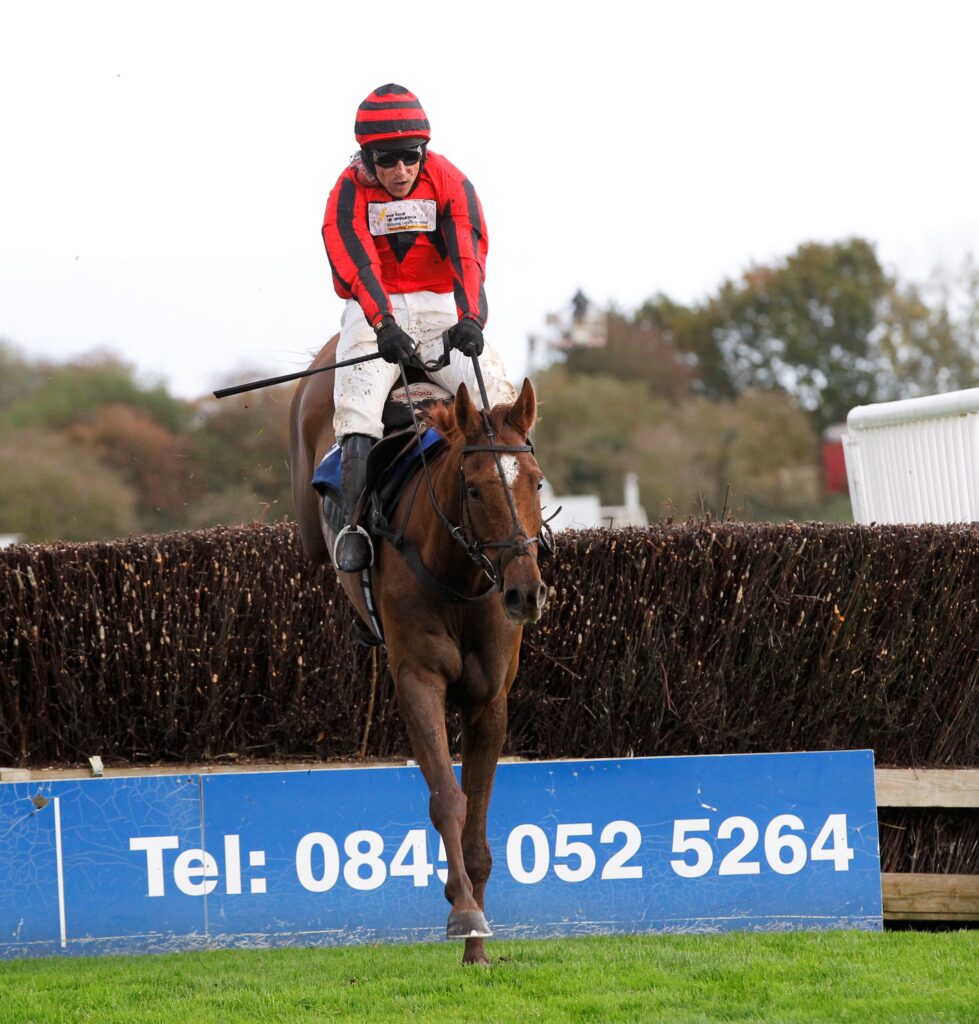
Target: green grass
x=865 y=977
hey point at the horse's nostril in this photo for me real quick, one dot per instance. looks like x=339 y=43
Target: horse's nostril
x=512 y=599
x=541 y=596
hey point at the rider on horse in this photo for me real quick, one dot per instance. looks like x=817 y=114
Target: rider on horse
x=406 y=240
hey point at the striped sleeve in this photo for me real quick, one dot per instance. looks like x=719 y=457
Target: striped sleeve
x=464 y=231
x=351 y=250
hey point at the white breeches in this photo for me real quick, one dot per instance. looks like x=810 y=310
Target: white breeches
x=360 y=391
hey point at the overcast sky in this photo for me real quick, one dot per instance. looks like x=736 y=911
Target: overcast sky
x=165 y=166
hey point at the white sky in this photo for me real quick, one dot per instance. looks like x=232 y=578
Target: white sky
x=164 y=166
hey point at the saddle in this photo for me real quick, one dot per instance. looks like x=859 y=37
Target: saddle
x=390 y=464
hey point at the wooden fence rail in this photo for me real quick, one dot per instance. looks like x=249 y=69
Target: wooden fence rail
x=926 y=897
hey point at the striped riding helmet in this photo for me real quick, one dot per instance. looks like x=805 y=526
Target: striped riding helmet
x=390 y=113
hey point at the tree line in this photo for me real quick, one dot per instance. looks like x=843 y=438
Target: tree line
x=89 y=451
x=720 y=404
x=717 y=405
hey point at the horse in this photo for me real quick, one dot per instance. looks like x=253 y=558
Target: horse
x=453 y=627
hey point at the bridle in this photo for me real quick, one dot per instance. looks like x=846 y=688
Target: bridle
x=519 y=544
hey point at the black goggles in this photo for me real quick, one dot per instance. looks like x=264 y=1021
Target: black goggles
x=392 y=157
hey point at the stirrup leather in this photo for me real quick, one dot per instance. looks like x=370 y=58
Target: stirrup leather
x=353 y=529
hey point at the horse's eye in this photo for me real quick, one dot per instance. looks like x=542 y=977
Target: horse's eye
x=540 y=485
x=473 y=492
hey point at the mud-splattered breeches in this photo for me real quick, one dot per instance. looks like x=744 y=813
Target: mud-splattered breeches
x=360 y=391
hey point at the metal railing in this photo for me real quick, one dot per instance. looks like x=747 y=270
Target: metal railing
x=915 y=461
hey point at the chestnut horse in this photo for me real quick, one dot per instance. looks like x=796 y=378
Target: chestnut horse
x=452 y=632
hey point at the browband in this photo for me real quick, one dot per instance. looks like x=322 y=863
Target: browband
x=470 y=448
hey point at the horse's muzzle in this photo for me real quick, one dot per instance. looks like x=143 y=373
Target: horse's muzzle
x=524 y=602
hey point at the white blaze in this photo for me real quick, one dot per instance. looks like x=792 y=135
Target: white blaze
x=511 y=469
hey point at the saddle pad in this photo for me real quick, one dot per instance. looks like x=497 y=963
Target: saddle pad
x=328 y=475
x=328 y=478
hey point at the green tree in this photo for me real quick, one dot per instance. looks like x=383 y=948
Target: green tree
x=829 y=326
x=805 y=326
x=928 y=341
x=636 y=349
x=690 y=333
x=585 y=427
x=755 y=457
x=68 y=393
x=52 y=491
x=151 y=459
x=241 y=444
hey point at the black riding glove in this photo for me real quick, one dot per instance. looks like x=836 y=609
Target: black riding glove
x=467 y=337
x=394 y=344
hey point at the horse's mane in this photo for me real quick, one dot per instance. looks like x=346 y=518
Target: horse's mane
x=442 y=416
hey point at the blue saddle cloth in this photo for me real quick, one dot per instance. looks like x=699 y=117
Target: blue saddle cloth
x=328 y=478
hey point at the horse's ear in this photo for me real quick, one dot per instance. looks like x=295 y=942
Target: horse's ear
x=467 y=415
x=523 y=412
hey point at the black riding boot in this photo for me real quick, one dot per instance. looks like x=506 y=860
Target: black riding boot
x=353 y=551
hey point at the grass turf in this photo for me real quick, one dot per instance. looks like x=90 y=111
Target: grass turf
x=834 y=976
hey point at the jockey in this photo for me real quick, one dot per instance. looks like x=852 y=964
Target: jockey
x=406 y=241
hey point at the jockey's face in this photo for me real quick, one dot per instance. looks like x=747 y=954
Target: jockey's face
x=399 y=179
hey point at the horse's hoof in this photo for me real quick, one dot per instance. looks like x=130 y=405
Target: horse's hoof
x=468 y=924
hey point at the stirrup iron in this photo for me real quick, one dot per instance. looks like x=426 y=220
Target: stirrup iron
x=363 y=533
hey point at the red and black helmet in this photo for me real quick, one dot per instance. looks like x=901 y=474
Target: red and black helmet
x=391 y=113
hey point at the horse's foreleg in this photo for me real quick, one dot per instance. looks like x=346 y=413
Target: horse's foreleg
x=483 y=732
x=421 y=697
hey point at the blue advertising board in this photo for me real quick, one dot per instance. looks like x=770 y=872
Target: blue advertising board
x=341 y=856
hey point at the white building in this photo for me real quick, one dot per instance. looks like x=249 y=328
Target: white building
x=586 y=512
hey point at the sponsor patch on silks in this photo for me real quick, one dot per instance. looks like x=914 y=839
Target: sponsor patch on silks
x=421 y=392
x=401 y=215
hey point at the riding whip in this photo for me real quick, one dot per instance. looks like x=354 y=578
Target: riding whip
x=237 y=389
